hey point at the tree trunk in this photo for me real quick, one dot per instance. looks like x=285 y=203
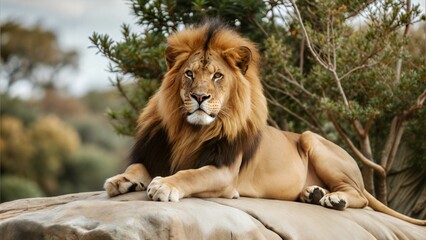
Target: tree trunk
x=368 y=176
x=382 y=189
x=367 y=172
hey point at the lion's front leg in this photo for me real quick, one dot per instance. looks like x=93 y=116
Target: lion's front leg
x=207 y=181
x=135 y=178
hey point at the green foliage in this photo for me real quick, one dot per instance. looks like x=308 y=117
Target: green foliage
x=16 y=149
x=37 y=152
x=46 y=156
x=415 y=129
x=87 y=170
x=18 y=108
x=14 y=187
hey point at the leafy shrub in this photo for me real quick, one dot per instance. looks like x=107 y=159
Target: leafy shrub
x=14 y=187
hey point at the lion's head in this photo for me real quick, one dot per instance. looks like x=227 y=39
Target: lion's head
x=214 y=71
x=211 y=95
x=206 y=84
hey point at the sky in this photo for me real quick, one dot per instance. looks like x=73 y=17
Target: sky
x=74 y=21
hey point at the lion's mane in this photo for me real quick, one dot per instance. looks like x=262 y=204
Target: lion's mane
x=167 y=143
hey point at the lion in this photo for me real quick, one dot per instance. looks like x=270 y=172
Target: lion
x=204 y=133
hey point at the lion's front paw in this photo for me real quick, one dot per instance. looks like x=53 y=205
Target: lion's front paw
x=159 y=190
x=123 y=183
x=334 y=200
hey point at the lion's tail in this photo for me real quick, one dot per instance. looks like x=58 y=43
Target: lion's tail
x=379 y=206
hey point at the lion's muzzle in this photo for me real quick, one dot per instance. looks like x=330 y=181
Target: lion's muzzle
x=200 y=97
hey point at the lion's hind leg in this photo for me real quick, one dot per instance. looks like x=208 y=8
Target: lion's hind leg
x=336 y=200
x=347 y=197
x=135 y=178
x=337 y=170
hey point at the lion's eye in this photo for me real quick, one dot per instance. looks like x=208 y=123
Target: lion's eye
x=217 y=76
x=189 y=74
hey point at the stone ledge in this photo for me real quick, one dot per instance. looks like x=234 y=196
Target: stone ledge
x=93 y=215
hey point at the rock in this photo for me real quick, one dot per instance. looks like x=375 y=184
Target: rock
x=93 y=215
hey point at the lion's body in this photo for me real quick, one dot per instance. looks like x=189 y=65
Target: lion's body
x=204 y=134
x=274 y=173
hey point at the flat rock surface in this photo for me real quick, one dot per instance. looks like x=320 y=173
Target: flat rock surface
x=93 y=215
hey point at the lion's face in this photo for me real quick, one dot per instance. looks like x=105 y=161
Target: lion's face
x=205 y=86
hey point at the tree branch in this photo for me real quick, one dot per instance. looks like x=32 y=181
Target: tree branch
x=419 y=104
x=124 y=94
x=399 y=62
x=389 y=142
x=400 y=130
x=360 y=9
x=259 y=26
x=339 y=86
x=367 y=162
x=331 y=68
x=358 y=128
x=369 y=124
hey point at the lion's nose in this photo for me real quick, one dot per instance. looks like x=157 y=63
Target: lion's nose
x=200 y=98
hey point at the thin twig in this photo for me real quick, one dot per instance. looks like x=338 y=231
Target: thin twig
x=407 y=28
x=357 y=68
x=295 y=83
x=275 y=103
x=301 y=55
x=259 y=26
x=333 y=44
x=124 y=94
x=296 y=100
x=328 y=38
x=308 y=41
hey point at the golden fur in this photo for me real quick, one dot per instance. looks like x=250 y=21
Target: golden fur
x=204 y=134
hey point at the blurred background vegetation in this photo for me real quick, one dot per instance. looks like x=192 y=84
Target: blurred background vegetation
x=353 y=71
x=56 y=143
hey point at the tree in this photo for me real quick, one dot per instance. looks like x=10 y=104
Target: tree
x=358 y=84
x=32 y=54
x=37 y=152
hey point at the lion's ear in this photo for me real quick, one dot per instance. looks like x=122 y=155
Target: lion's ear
x=170 y=57
x=241 y=57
